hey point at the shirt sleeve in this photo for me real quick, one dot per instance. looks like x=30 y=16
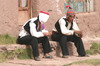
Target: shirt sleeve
x=64 y=29
x=75 y=26
x=34 y=32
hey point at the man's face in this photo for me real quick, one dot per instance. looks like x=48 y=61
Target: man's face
x=70 y=18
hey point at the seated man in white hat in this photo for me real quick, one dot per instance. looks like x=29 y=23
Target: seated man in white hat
x=34 y=32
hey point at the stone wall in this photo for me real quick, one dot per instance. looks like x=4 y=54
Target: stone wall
x=89 y=23
x=54 y=7
x=8 y=17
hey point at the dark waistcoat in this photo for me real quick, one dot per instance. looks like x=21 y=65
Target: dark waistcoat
x=57 y=26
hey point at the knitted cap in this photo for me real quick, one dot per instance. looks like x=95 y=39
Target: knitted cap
x=43 y=16
x=70 y=11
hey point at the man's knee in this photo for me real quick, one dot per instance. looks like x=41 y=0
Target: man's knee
x=45 y=38
x=63 y=37
x=34 y=38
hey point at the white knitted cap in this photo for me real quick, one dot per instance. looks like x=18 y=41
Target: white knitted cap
x=43 y=16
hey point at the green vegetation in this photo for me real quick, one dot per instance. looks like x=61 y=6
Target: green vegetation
x=94 y=49
x=7 y=39
x=95 y=62
x=19 y=53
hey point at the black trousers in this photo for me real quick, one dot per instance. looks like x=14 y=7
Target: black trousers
x=63 y=39
x=33 y=41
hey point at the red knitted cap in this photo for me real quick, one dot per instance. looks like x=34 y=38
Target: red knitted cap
x=70 y=11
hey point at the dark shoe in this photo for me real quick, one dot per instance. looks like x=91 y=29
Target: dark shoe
x=37 y=58
x=65 y=56
x=83 y=56
x=49 y=57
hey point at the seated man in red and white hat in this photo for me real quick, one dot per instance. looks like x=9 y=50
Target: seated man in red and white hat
x=68 y=30
x=34 y=32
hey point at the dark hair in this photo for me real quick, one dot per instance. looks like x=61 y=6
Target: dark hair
x=36 y=21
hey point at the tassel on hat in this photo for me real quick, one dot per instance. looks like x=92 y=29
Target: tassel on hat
x=43 y=16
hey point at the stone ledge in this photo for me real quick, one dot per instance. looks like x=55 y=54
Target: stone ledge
x=11 y=47
x=55 y=47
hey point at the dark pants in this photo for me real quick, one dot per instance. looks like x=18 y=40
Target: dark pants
x=63 y=39
x=33 y=41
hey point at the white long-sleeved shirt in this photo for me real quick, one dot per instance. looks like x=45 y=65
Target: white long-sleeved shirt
x=33 y=30
x=65 y=30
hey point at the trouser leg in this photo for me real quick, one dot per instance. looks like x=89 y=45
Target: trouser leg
x=63 y=44
x=62 y=39
x=29 y=40
x=45 y=43
x=34 y=44
x=79 y=45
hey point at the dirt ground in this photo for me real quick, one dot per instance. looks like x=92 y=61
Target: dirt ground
x=56 y=61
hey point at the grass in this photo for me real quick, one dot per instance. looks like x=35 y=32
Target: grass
x=95 y=62
x=7 y=39
x=94 y=49
x=25 y=54
x=19 y=53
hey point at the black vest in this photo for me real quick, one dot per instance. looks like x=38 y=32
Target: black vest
x=57 y=26
x=27 y=27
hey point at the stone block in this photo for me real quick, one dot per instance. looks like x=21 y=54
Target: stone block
x=57 y=50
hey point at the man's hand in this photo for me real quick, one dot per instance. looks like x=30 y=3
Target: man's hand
x=79 y=33
x=47 y=33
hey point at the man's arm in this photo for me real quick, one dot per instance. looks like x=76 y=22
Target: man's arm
x=33 y=30
x=75 y=26
x=64 y=29
x=77 y=30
